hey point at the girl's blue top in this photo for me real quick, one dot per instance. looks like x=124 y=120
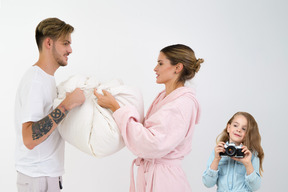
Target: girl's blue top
x=231 y=175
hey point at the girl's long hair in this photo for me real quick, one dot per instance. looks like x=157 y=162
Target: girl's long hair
x=252 y=137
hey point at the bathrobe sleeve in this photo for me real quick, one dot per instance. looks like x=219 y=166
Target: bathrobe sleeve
x=164 y=129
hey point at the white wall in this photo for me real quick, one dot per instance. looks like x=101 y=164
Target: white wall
x=244 y=44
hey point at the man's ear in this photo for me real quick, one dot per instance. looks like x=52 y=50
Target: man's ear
x=47 y=43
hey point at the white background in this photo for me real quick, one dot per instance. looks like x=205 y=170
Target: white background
x=244 y=45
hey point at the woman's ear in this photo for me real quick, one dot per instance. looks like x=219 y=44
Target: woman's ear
x=179 y=67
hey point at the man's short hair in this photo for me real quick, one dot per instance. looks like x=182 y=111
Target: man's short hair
x=53 y=28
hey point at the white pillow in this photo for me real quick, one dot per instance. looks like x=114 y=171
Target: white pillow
x=90 y=127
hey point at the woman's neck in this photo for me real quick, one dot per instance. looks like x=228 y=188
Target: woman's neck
x=171 y=88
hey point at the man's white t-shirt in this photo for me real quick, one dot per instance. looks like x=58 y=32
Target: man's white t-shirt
x=34 y=101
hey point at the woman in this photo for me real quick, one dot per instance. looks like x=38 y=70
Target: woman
x=165 y=136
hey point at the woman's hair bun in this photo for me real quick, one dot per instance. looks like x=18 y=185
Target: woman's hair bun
x=198 y=64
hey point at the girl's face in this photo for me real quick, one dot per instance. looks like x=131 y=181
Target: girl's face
x=165 y=71
x=237 y=129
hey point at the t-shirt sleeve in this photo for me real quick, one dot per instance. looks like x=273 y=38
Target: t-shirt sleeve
x=32 y=102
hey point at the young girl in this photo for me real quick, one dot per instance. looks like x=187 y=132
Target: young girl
x=165 y=136
x=231 y=173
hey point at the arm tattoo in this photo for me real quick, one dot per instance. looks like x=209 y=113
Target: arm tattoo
x=57 y=115
x=41 y=127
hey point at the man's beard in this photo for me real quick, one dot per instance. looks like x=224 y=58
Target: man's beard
x=57 y=57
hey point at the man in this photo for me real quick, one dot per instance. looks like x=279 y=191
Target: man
x=39 y=146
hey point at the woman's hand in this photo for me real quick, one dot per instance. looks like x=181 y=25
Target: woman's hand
x=106 y=100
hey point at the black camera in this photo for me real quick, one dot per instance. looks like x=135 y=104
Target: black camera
x=232 y=150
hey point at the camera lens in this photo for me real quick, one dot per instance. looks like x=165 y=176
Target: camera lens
x=230 y=150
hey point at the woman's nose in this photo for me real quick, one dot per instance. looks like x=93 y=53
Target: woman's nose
x=155 y=68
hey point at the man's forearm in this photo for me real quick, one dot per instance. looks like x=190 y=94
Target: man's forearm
x=41 y=129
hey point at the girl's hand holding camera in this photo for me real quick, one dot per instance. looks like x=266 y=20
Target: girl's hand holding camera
x=246 y=160
x=247 y=156
x=219 y=148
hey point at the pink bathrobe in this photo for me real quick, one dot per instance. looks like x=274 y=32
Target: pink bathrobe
x=162 y=141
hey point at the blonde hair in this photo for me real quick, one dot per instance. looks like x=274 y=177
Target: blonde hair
x=53 y=28
x=183 y=54
x=252 y=137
